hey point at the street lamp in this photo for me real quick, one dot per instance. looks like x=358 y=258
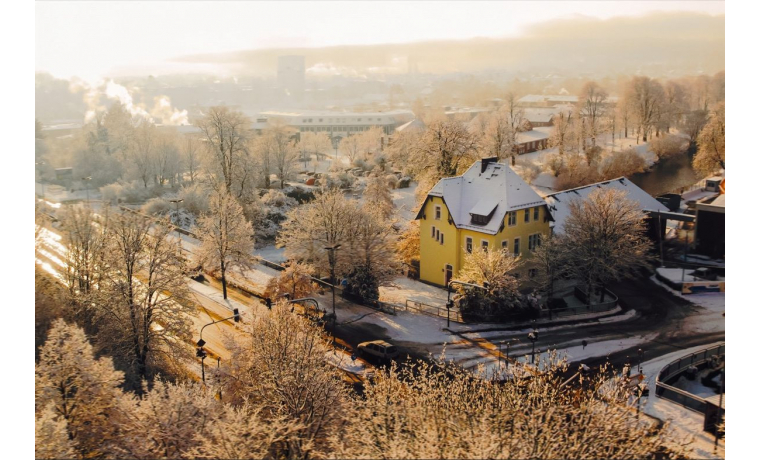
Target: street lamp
x=200 y=352
x=450 y=303
x=533 y=337
x=508 y=343
x=176 y=224
x=641 y=355
x=87 y=187
x=331 y=257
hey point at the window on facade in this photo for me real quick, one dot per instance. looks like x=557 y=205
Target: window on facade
x=437 y=235
x=527 y=216
x=437 y=213
x=484 y=245
x=517 y=246
x=535 y=213
x=480 y=220
x=441 y=238
x=468 y=244
x=512 y=218
x=432 y=231
x=534 y=241
x=532 y=273
x=505 y=245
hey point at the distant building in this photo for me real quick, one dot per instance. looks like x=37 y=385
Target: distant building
x=291 y=75
x=337 y=124
x=490 y=207
x=711 y=226
x=531 y=141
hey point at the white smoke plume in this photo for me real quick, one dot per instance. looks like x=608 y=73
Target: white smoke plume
x=98 y=94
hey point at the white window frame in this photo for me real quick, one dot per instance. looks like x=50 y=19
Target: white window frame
x=511 y=214
x=505 y=244
x=516 y=247
x=484 y=244
x=468 y=241
x=438 y=212
x=536 y=213
x=526 y=218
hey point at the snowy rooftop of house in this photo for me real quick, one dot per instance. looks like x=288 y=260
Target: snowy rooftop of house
x=529 y=136
x=559 y=203
x=533 y=98
x=492 y=191
x=414 y=125
x=539 y=114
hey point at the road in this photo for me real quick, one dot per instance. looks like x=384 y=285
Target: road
x=658 y=326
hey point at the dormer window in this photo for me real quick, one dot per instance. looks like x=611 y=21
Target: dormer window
x=482 y=212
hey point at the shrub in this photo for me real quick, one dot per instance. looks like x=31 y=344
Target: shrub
x=669 y=146
x=362 y=285
x=157 y=206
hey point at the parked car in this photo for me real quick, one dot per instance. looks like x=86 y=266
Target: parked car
x=379 y=348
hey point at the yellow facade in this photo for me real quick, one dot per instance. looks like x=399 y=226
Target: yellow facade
x=436 y=256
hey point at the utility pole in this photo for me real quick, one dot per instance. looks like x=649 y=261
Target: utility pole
x=176 y=223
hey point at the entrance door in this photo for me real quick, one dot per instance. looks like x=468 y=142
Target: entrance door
x=449 y=273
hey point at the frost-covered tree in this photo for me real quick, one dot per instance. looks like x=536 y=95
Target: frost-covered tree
x=607 y=238
x=550 y=260
x=141 y=309
x=494 y=270
x=227 y=134
x=562 y=131
x=190 y=151
x=592 y=107
x=668 y=146
x=711 y=143
x=51 y=436
x=226 y=236
x=350 y=147
x=370 y=141
x=441 y=411
x=283 y=371
x=377 y=195
x=446 y=148
x=166 y=421
x=408 y=246
x=142 y=151
x=645 y=97
x=499 y=136
x=622 y=163
x=85 y=240
x=692 y=125
x=295 y=281
x=80 y=390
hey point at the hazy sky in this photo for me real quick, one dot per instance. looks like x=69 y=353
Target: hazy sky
x=95 y=39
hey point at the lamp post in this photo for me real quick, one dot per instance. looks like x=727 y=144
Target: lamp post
x=641 y=355
x=331 y=257
x=200 y=352
x=176 y=224
x=508 y=343
x=450 y=303
x=87 y=188
x=533 y=337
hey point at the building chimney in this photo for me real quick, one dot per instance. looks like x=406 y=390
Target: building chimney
x=485 y=162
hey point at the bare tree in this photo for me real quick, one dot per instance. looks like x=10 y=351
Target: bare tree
x=607 y=238
x=227 y=134
x=499 y=135
x=226 y=237
x=142 y=151
x=645 y=96
x=85 y=240
x=283 y=150
x=711 y=143
x=191 y=149
x=370 y=141
x=693 y=123
x=492 y=267
x=562 y=131
x=591 y=106
x=350 y=147
x=142 y=309
x=550 y=258
x=445 y=148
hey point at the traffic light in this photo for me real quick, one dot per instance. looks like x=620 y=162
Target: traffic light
x=269 y=303
x=236 y=315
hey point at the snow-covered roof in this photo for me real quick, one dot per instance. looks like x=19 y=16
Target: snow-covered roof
x=530 y=136
x=476 y=192
x=535 y=98
x=414 y=125
x=559 y=203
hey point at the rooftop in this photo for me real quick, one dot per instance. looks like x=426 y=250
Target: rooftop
x=491 y=190
x=559 y=203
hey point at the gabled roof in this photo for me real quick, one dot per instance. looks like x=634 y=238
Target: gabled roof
x=413 y=125
x=559 y=203
x=530 y=136
x=495 y=188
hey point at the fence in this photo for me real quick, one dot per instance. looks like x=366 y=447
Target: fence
x=675 y=368
x=432 y=310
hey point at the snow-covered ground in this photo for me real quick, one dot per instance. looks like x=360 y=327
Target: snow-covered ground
x=686 y=424
x=710 y=319
x=403 y=288
x=404 y=202
x=677 y=275
x=271 y=253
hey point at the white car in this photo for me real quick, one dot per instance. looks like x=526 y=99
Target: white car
x=379 y=348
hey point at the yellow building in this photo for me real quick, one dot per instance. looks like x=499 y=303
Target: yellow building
x=488 y=206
